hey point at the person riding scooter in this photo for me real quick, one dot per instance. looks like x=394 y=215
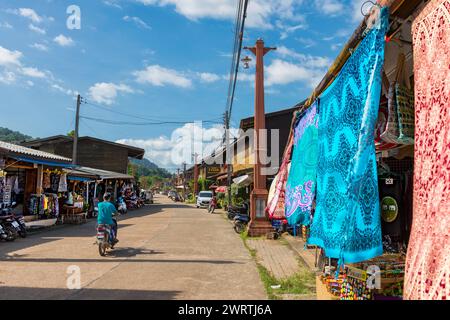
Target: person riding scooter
x=212 y=204
x=106 y=210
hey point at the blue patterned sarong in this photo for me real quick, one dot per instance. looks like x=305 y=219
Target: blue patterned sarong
x=347 y=219
x=301 y=183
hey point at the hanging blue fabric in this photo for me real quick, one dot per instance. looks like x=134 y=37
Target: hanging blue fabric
x=301 y=183
x=347 y=218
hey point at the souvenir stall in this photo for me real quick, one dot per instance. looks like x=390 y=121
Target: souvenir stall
x=352 y=186
x=31 y=178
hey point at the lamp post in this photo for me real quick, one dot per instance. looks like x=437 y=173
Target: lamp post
x=260 y=223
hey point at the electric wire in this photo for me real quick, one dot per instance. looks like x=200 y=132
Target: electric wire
x=151 y=119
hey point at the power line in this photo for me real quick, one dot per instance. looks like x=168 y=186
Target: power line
x=140 y=117
x=149 y=123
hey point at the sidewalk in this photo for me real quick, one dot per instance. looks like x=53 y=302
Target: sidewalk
x=307 y=255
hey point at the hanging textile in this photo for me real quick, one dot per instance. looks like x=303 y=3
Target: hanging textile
x=62 y=187
x=301 y=184
x=347 y=218
x=46 y=181
x=427 y=274
x=275 y=203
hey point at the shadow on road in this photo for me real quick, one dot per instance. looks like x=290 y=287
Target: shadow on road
x=110 y=257
x=92 y=294
x=60 y=232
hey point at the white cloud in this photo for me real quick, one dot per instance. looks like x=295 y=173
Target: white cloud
x=32 y=27
x=63 y=90
x=208 y=77
x=7 y=77
x=30 y=14
x=8 y=57
x=112 y=3
x=330 y=7
x=106 y=93
x=39 y=46
x=171 y=152
x=160 y=76
x=5 y=25
x=305 y=60
x=33 y=72
x=138 y=21
x=64 y=41
x=281 y=72
x=260 y=12
x=30 y=83
x=356 y=10
x=287 y=30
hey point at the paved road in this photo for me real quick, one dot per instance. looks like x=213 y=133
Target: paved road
x=166 y=251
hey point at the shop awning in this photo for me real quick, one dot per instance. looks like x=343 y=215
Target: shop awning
x=101 y=174
x=244 y=180
x=82 y=179
x=43 y=162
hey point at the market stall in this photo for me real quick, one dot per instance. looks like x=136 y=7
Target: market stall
x=352 y=186
x=34 y=180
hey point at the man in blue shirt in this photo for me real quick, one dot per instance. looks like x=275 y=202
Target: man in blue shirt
x=105 y=213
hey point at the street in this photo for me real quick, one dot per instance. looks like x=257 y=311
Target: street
x=166 y=251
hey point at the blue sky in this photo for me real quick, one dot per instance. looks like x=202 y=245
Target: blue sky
x=160 y=59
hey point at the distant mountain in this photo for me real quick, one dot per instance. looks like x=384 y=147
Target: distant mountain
x=16 y=137
x=145 y=167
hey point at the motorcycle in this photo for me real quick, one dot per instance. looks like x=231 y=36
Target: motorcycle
x=233 y=211
x=280 y=227
x=3 y=233
x=104 y=238
x=240 y=222
x=212 y=205
x=12 y=223
x=122 y=206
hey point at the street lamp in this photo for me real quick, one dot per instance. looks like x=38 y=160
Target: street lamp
x=246 y=62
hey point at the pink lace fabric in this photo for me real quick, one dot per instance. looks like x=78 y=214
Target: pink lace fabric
x=275 y=204
x=428 y=260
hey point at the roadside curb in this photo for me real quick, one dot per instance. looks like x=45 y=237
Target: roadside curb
x=307 y=256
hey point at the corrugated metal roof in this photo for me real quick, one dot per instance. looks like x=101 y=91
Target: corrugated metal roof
x=100 y=174
x=20 y=150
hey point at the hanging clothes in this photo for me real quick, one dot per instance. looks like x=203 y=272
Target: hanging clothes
x=301 y=184
x=427 y=274
x=62 y=186
x=347 y=218
x=275 y=207
x=46 y=181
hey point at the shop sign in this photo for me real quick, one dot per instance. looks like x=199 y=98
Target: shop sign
x=356 y=273
x=212 y=170
x=389 y=209
x=7 y=194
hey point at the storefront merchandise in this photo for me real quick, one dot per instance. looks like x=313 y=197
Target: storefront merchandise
x=347 y=218
x=428 y=259
x=301 y=184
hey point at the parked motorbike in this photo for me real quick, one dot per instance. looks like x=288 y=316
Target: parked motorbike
x=240 y=222
x=104 y=238
x=3 y=233
x=233 y=211
x=280 y=226
x=122 y=206
x=13 y=225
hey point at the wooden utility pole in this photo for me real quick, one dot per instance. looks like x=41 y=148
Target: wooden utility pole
x=184 y=181
x=75 y=136
x=259 y=224
x=228 y=155
x=195 y=174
